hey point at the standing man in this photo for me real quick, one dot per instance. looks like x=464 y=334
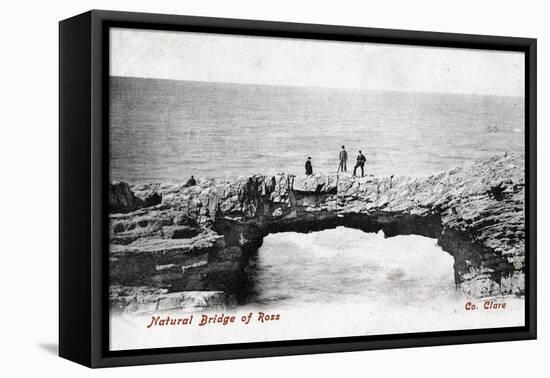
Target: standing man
x=309 y=167
x=361 y=159
x=343 y=160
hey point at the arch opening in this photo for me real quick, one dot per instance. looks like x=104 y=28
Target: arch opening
x=476 y=270
x=348 y=266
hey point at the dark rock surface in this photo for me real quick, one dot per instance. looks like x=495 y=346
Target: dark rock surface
x=123 y=200
x=200 y=238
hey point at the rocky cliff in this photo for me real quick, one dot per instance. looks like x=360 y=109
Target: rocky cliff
x=200 y=238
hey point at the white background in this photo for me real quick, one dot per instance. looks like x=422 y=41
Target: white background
x=29 y=190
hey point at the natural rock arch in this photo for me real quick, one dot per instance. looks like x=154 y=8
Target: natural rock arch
x=479 y=271
x=476 y=213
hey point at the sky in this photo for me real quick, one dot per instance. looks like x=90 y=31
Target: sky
x=312 y=63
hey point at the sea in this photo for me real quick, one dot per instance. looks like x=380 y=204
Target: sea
x=291 y=269
x=165 y=130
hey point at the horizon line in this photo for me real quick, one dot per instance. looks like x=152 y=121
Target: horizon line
x=318 y=87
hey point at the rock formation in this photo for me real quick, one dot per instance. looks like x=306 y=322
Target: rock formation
x=200 y=238
x=123 y=200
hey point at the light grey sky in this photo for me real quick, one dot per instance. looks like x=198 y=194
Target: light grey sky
x=300 y=62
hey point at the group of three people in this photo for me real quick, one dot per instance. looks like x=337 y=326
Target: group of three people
x=342 y=167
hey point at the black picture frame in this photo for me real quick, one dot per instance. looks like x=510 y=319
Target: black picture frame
x=83 y=178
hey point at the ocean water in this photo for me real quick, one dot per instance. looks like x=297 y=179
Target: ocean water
x=164 y=130
x=348 y=266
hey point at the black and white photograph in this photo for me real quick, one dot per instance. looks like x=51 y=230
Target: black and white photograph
x=271 y=189
x=220 y=189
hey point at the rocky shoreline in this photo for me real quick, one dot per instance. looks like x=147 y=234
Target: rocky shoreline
x=176 y=247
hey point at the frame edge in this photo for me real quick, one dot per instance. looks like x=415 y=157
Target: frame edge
x=99 y=17
x=75 y=294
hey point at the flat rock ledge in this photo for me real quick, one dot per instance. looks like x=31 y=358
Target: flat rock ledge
x=168 y=238
x=145 y=300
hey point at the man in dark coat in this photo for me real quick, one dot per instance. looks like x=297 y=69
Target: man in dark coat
x=309 y=168
x=361 y=159
x=343 y=160
x=190 y=182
